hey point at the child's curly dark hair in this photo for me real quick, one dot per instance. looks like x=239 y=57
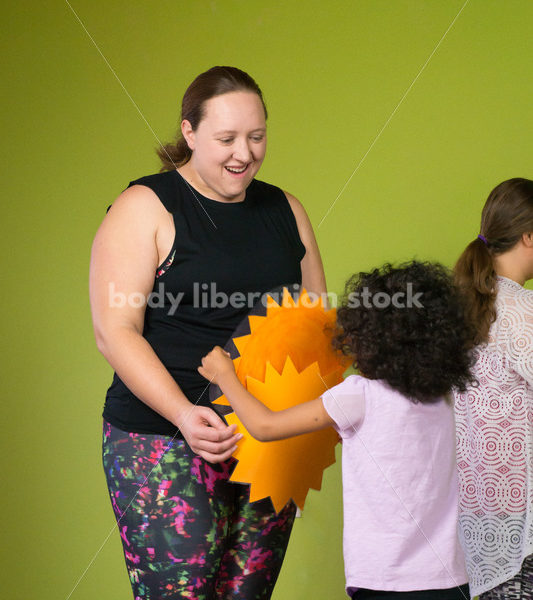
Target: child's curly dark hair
x=421 y=350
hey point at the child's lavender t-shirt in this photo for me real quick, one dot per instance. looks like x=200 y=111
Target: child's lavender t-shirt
x=399 y=487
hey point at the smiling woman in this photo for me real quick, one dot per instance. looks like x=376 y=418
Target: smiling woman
x=223 y=133
x=203 y=223
x=228 y=146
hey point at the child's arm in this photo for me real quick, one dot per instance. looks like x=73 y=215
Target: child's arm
x=264 y=424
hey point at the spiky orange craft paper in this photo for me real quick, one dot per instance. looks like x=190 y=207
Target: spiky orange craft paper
x=286 y=359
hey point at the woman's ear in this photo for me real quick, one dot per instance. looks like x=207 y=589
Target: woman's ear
x=527 y=239
x=188 y=133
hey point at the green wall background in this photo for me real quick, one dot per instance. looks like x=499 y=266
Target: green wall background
x=332 y=73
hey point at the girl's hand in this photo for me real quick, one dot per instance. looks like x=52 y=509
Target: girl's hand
x=216 y=365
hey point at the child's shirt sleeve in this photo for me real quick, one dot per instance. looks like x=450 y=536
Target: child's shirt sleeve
x=345 y=404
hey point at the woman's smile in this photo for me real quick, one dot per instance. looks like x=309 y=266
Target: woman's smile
x=237 y=171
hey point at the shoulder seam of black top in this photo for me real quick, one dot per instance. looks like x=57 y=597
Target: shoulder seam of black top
x=162 y=186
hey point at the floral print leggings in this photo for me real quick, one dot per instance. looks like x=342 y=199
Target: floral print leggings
x=187 y=531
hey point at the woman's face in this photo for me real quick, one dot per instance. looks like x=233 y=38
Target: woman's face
x=228 y=146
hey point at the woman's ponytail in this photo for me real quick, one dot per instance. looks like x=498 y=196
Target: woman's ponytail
x=475 y=276
x=506 y=216
x=174 y=155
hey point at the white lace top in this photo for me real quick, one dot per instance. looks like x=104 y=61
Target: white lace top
x=495 y=446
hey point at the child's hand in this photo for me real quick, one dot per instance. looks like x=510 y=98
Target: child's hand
x=216 y=364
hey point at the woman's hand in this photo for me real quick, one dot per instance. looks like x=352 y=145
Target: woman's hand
x=207 y=435
x=216 y=365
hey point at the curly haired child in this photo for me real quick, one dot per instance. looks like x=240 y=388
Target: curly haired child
x=404 y=328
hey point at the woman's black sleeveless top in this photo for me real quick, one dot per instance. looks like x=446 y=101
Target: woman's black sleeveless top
x=224 y=256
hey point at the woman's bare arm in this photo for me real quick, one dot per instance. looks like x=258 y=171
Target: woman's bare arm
x=313 y=278
x=123 y=262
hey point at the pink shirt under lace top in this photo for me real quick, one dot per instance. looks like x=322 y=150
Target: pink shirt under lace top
x=495 y=446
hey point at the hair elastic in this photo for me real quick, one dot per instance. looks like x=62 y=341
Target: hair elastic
x=483 y=239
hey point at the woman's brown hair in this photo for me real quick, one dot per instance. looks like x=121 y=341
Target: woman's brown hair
x=506 y=216
x=214 y=82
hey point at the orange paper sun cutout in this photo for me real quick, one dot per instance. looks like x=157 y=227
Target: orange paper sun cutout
x=286 y=360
